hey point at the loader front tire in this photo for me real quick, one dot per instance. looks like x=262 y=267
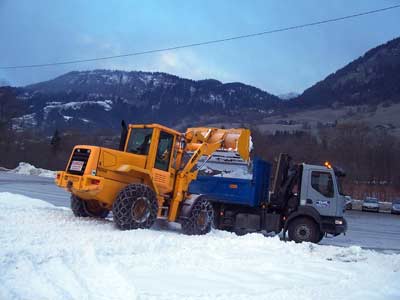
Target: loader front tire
x=87 y=208
x=135 y=207
x=200 y=219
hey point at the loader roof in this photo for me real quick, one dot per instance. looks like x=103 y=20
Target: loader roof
x=155 y=125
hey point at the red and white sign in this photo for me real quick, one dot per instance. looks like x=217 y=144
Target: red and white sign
x=76 y=165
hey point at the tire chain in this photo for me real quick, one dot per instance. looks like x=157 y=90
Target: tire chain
x=122 y=207
x=190 y=226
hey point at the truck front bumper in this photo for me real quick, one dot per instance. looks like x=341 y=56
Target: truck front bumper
x=334 y=225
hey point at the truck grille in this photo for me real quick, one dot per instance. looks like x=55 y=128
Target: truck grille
x=79 y=161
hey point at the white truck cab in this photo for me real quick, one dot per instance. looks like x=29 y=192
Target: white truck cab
x=320 y=188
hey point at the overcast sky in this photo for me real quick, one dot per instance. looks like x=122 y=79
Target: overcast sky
x=41 y=31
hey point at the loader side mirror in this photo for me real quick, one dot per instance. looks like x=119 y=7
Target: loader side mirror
x=124 y=135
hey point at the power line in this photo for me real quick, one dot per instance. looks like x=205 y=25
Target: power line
x=205 y=42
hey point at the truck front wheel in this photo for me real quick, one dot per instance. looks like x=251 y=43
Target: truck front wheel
x=87 y=208
x=304 y=230
x=200 y=219
x=135 y=207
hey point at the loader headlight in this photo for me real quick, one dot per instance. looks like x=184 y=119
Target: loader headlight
x=338 y=222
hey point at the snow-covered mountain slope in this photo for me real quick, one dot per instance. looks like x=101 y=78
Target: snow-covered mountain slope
x=46 y=253
x=101 y=98
x=371 y=79
x=288 y=96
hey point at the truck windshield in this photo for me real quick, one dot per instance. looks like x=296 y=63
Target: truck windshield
x=339 y=181
x=140 y=140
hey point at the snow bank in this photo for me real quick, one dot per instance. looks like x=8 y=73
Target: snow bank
x=46 y=253
x=28 y=169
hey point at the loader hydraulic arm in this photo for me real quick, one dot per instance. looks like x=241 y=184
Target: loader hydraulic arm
x=205 y=141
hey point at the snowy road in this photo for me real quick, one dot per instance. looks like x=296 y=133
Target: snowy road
x=367 y=230
x=47 y=253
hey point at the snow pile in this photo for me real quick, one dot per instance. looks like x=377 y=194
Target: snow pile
x=46 y=253
x=28 y=169
x=225 y=164
x=228 y=170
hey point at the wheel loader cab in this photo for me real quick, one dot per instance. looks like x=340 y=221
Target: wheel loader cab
x=139 y=141
x=156 y=143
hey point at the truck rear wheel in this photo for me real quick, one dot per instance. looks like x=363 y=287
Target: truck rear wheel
x=87 y=208
x=304 y=230
x=135 y=207
x=200 y=219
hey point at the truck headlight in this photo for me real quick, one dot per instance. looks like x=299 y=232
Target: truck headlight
x=338 y=222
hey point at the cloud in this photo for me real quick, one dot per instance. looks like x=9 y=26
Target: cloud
x=3 y=82
x=184 y=62
x=187 y=63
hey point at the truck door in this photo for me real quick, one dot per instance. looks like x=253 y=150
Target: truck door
x=163 y=174
x=321 y=192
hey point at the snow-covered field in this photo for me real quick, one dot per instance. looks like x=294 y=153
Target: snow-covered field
x=28 y=169
x=46 y=253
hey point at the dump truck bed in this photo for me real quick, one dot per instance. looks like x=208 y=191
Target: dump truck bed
x=250 y=192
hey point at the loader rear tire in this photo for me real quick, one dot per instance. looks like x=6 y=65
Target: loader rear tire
x=135 y=207
x=87 y=208
x=77 y=207
x=200 y=219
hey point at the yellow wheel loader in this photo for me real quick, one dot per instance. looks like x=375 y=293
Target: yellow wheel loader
x=148 y=177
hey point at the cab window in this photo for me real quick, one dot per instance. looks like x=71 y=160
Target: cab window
x=164 y=151
x=322 y=182
x=139 y=141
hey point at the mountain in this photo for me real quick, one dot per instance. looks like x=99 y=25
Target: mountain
x=371 y=79
x=101 y=98
x=288 y=96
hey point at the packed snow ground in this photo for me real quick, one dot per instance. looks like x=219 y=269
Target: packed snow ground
x=46 y=253
x=28 y=169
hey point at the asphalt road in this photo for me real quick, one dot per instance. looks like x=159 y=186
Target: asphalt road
x=377 y=231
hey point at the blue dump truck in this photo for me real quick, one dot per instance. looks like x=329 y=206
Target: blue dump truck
x=305 y=201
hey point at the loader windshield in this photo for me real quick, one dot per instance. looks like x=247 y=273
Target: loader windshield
x=139 y=141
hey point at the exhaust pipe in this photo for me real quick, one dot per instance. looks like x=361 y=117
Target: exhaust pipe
x=124 y=135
